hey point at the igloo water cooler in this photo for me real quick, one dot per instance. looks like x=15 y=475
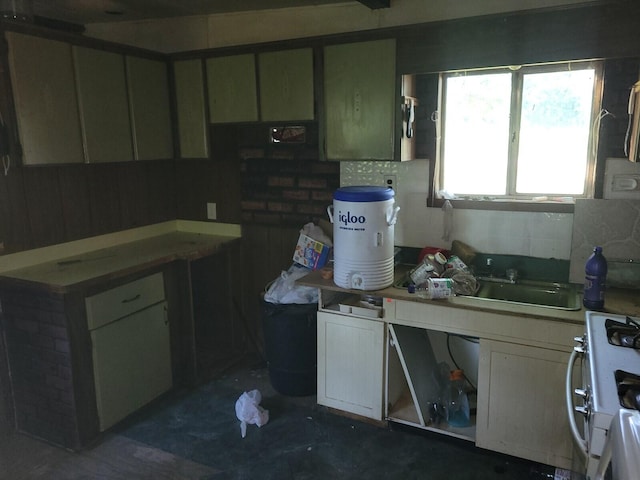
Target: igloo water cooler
x=363 y=219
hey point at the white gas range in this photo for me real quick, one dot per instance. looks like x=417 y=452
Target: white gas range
x=610 y=357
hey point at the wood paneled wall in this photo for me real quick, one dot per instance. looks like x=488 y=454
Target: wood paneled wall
x=199 y=182
x=266 y=251
x=41 y=206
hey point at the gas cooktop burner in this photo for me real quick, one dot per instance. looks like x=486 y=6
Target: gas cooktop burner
x=623 y=334
x=628 y=389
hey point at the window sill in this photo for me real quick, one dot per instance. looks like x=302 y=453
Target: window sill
x=506 y=205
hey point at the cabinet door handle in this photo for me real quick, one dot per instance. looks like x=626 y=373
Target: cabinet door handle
x=132 y=299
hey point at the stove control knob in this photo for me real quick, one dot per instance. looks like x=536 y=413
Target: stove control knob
x=583 y=409
x=582 y=393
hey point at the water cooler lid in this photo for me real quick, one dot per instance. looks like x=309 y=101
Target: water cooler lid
x=363 y=193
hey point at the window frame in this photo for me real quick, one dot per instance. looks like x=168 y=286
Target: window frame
x=519 y=201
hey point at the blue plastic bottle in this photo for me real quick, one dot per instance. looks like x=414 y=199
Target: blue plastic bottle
x=594 y=282
x=458 y=413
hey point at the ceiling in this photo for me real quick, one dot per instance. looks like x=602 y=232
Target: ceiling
x=98 y=11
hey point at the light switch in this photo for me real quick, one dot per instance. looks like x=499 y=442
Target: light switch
x=212 y=213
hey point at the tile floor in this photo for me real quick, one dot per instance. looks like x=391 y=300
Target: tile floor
x=195 y=434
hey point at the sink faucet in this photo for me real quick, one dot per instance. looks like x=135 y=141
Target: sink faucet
x=512 y=275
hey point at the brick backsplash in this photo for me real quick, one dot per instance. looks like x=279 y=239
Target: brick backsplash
x=285 y=185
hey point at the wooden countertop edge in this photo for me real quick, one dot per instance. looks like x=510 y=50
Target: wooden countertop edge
x=198 y=252
x=40 y=255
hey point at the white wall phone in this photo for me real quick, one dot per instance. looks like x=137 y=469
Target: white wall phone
x=632 y=139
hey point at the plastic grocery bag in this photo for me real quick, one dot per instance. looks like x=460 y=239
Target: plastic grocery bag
x=249 y=411
x=285 y=290
x=314 y=231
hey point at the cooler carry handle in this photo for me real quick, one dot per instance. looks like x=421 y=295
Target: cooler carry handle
x=392 y=215
x=330 y=213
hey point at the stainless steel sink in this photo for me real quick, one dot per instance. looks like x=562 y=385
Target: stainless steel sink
x=561 y=296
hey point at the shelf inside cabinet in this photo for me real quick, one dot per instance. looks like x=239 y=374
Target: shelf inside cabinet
x=463 y=433
x=330 y=299
x=358 y=305
x=412 y=382
x=404 y=410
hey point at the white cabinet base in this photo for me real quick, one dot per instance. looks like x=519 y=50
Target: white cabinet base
x=521 y=403
x=351 y=364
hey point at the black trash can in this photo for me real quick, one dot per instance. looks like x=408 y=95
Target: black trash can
x=290 y=332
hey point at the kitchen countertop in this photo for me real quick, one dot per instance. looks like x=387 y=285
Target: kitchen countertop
x=617 y=301
x=144 y=249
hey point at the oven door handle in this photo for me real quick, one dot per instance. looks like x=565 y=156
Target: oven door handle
x=580 y=442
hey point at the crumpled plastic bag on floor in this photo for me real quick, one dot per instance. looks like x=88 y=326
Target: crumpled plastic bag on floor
x=249 y=411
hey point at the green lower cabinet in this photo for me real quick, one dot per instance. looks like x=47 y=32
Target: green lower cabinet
x=132 y=363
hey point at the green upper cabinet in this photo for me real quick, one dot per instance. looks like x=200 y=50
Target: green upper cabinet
x=104 y=107
x=360 y=98
x=76 y=104
x=44 y=91
x=286 y=85
x=190 y=103
x=149 y=105
x=231 y=83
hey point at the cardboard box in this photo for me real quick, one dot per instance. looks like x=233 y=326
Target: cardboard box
x=310 y=253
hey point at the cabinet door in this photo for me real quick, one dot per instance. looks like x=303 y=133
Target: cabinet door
x=521 y=403
x=360 y=96
x=351 y=364
x=286 y=85
x=192 y=120
x=231 y=85
x=131 y=363
x=44 y=90
x=149 y=105
x=104 y=106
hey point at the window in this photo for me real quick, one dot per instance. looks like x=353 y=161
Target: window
x=520 y=132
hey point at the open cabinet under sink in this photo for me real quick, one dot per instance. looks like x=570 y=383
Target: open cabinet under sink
x=413 y=386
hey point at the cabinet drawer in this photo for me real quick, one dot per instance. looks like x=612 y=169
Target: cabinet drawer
x=124 y=300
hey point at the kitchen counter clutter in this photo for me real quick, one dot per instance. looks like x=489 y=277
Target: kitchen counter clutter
x=381 y=355
x=97 y=328
x=617 y=300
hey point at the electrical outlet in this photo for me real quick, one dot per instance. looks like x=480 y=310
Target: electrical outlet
x=390 y=181
x=212 y=212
